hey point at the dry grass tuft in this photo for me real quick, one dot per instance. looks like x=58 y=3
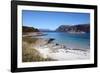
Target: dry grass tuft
x=30 y=54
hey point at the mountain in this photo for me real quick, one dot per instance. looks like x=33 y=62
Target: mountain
x=74 y=28
x=29 y=29
x=45 y=30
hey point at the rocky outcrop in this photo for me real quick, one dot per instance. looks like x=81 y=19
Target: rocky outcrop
x=29 y=29
x=74 y=28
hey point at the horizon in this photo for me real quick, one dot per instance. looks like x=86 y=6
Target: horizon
x=52 y=20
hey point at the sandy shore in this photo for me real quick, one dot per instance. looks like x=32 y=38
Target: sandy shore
x=50 y=50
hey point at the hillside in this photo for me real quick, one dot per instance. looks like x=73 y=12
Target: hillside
x=74 y=28
x=29 y=29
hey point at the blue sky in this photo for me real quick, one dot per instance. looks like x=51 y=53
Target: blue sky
x=52 y=20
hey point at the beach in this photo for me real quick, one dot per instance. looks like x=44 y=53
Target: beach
x=46 y=49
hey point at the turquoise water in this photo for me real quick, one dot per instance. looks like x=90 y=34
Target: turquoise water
x=69 y=39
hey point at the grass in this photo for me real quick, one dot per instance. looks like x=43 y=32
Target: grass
x=30 y=54
x=29 y=39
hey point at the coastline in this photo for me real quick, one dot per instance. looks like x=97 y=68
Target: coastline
x=51 y=51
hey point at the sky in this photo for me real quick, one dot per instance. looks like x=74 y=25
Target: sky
x=52 y=20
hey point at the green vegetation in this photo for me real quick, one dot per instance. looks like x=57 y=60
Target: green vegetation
x=29 y=29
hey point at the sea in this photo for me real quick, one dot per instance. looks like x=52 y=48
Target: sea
x=71 y=40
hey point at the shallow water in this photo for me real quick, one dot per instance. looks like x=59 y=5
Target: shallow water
x=71 y=40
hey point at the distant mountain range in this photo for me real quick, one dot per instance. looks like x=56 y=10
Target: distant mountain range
x=74 y=28
x=80 y=28
x=44 y=30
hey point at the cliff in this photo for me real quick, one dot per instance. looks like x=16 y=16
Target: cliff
x=74 y=28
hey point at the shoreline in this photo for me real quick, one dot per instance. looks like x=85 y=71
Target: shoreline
x=54 y=51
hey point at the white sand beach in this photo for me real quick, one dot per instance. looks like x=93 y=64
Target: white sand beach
x=57 y=52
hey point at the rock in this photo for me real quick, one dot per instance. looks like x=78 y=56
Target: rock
x=50 y=40
x=80 y=28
